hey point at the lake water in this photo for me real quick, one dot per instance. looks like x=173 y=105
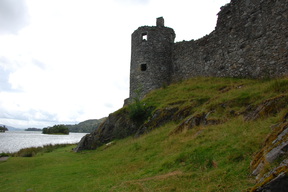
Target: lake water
x=13 y=141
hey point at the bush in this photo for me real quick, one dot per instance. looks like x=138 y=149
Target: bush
x=138 y=111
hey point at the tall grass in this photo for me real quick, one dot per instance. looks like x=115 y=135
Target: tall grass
x=33 y=151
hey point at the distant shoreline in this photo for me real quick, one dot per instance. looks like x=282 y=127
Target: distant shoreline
x=33 y=129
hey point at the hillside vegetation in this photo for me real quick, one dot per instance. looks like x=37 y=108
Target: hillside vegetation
x=86 y=126
x=56 y=129
x=201 y=135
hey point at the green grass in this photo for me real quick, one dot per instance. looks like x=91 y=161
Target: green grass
x=32 y=151
x=205 y=158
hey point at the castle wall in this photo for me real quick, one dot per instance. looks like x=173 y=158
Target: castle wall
x=250 y=40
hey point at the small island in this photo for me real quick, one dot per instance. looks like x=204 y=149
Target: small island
x=3 y=129
x=33 y=129
x=57 y=130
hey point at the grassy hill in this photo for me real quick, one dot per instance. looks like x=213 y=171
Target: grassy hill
x=182 y=153
x=86 y=126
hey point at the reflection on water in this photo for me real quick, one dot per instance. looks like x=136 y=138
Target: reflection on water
x=13 y=141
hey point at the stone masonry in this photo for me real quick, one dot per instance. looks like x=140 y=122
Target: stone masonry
x=250 y=41
x=151 y=58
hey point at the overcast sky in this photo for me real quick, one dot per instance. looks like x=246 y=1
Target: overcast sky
x=66 y=61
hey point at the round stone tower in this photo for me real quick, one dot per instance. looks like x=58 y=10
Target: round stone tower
x=150 y=58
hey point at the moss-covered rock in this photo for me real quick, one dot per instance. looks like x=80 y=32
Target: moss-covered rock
x=270 y=165
x=268 y=107
x=118 y=125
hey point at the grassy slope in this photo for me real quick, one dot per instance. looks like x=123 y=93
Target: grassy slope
x=205 y=158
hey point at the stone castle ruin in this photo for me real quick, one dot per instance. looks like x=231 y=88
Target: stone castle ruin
x=250 y=41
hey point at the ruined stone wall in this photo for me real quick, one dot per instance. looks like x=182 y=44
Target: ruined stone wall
x=250 y=40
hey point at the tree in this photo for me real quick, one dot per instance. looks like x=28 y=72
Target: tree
x=3 y=128
x=56 y=129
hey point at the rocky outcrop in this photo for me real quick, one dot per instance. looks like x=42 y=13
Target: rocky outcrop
x=118 y=125
x=270 y=165
x=159 y=117
x=266 y=108
x=278 y=184
x=195 y=120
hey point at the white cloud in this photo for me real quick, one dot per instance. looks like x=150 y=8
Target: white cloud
x=13 y=16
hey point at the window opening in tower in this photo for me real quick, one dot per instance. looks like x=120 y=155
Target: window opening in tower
x=144 y=36
x=143 y=67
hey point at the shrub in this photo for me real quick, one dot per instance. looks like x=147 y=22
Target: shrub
x=139 y=111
